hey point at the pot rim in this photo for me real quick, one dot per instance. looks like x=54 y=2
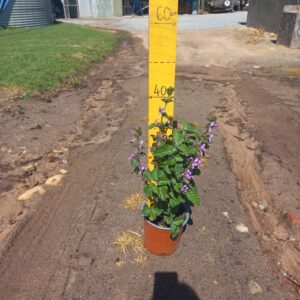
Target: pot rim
x=186 y=214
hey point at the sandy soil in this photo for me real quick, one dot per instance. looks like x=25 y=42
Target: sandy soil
x=60 y=245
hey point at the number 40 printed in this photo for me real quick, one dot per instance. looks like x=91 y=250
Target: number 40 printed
x=160 y=91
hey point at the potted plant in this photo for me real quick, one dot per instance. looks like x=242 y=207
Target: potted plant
x=177 y=153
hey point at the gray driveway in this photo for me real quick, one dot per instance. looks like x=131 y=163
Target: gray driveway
x=186 y=22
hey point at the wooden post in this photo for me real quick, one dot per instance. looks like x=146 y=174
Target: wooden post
x=163 y=17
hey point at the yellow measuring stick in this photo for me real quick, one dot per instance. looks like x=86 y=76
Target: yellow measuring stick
x=163 y=17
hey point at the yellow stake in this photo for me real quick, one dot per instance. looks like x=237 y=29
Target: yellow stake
x=163 y=16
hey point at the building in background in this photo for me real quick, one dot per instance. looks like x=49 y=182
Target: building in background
x=25 y=13
x=109 y=8
x=87 y=8
x=267 y=14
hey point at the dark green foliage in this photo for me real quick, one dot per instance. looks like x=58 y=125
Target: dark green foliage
x=177 y=151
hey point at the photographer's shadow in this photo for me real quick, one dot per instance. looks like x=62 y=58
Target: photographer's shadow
x=167 y=287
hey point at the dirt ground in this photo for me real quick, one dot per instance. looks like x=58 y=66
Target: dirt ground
x=59 y=243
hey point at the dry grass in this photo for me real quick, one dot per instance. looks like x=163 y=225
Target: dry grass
x=259 y=32
x=130 y=241
x=119 y=263
x=295 y=72
x=204 y=161
x=254 y=36
x=141 y=259
x=134 y=201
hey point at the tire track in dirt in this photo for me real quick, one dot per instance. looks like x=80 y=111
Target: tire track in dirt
x=102 y=113
x=244 y=151
x=69 y=240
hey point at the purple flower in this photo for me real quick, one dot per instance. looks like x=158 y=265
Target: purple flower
x=162 y=111
x=141 y=145
x=131 y=157
x=213 y=124
x=196 y=163
x=187 y=174
x=210 y=137
x=185 y=188
x=142 y=168
x=202 y=149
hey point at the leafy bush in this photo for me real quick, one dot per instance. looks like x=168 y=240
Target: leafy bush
x=177 y=153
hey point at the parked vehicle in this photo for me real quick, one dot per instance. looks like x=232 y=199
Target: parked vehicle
x=223 y=5
x=244 y=4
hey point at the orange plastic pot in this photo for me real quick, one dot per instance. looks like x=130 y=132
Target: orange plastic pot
x=157 y=239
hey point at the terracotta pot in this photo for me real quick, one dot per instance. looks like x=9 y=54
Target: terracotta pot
x=157 y=239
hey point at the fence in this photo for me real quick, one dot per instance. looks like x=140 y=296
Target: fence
x=267 y=13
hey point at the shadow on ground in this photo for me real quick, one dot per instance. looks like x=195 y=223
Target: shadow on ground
x=167 y=286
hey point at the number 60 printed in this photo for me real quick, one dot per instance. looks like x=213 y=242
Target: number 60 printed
x=164 y=13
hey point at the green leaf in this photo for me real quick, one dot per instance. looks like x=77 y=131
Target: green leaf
x=175 y=185
x=187 y=150
x=178 y=221
x=178 y=170
x=162 y=193
x=174 y=231
x=158 y=176
x=149 y=190
x=155 y=174
x=193 y=195
x=151 y=212
x=134 y=164
x=163 y=179
x=170 y=91
x=178 y=137
x=169 y=162
x=153 y=125
x=151 y=175
x=168 y=219
x=164 y=150
x=179 y=158
x=176 y=201
x=166 y=169
x=189 y=127
x=154 y=213
x=146 y=211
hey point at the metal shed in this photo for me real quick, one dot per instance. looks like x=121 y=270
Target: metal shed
x=92 y=8
x=26 y=13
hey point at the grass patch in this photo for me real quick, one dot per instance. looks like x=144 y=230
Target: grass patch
x=38 y=60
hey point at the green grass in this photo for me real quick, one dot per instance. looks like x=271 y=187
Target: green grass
x=37 y=60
